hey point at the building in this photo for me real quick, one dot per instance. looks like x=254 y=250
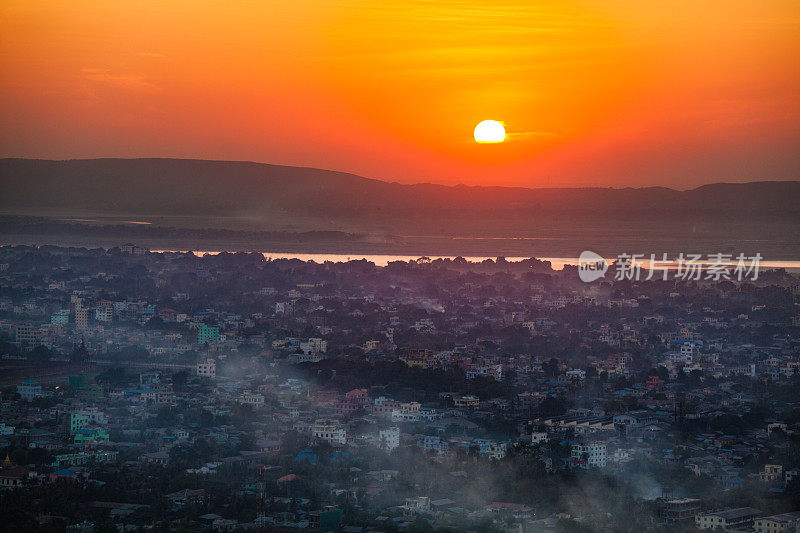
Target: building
x=741 y=518
x=384 y=406
x=82 y=317
x=329 y=431
x=680 y=509
x=29 y=389
x=433 y=443
x=538 y=436
x=207 y=334
x=90 y=436
x=492 y=449
x=26 y=335
x=593 y=454
x=463 y=402
x=300 y=357
x=60 y=317
x=353 y=401
x=76 y=421
x=408 y=412
x=771 y=473
x=389 y=438
x=207 y=368
x=313 y=346
x=133 y=249
x=104 y=313
x=13 y=476
x=493 y=371
x=253 y=399
x=779 y=523
x=418 y=358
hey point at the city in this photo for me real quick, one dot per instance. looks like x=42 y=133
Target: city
x=172 y=391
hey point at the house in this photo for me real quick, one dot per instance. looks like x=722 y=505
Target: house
x=65 y=473
x=207 y=368
x=253 y=399
x=517 y=509
x=433 y=443
x=679 y=509
x=408 y=412
x=741 y=518
x=538 y=436
x=13 y=477
x=329 y=431
x=207 y=334
x=384 y=406
x=389 y=438
x=158 y=458
x=466 y=402
x=83 y=527
x=353 y=401
x=186 y=495
x=779 y=523
x=29 y=389
x=771 y=473
x=589 y=454
x=383 y=475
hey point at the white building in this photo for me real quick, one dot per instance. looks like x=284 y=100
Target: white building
x=389 y=438
x=253 y=399
x=576 y=373
x=207 y=368
x=538 y=436
x=594 y=454
x=329 y=431
x=104 y=313
x=314 y=346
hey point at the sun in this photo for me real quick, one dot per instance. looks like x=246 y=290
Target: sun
x=490 y=131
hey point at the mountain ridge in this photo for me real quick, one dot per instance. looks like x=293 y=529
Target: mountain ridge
x=196 y=186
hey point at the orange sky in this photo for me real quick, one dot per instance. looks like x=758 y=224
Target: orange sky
x=603 y=92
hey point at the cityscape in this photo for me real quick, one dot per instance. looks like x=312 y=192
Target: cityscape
x=402 y=266
x=230 y=392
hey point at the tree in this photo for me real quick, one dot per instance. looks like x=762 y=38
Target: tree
x=179 y=380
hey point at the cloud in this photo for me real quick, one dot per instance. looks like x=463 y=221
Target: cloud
x=150 y=54
x=134 y=82
x=528 y=135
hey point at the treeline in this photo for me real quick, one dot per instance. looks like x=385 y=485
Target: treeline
x=18 y=225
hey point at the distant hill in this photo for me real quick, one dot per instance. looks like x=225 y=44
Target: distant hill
x=199 y=187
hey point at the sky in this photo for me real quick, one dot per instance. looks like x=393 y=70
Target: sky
x=592 y=93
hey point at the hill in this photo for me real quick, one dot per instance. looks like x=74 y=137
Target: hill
x=199 y=187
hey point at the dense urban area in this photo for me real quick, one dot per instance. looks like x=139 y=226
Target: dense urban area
x=227 y=392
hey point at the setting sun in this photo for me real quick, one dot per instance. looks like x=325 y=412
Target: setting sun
x=490 y=131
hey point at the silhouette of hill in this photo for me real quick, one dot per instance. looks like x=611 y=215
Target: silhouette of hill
x=199 y=187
